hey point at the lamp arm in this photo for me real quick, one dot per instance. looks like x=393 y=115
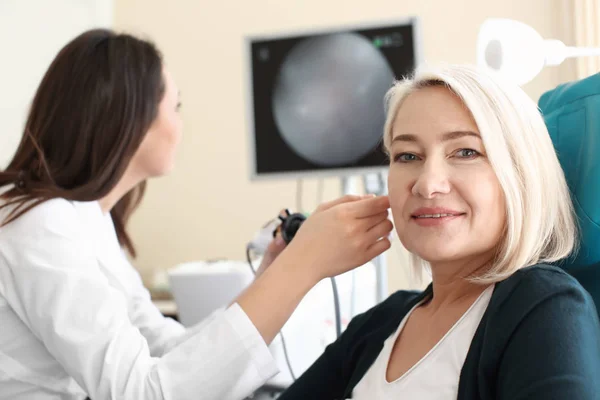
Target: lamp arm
x=556 y=52
x=582 y=51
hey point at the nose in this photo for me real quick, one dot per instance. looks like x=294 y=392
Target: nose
x=432 y=179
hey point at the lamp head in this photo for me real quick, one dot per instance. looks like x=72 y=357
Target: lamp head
x=511 y=48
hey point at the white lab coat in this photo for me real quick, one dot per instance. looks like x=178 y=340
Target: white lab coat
x=76 y=321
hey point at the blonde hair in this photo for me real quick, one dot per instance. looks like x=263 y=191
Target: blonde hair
x=540 y=223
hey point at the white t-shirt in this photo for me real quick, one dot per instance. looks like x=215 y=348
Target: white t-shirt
x=436 y=375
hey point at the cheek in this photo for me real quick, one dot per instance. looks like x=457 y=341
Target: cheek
x=171 y=130
x=486 y=200
x=399 y=193
x=157 y=151
x=484 y=194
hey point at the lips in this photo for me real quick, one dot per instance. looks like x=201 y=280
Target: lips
x=435 y=217
x=436 y=212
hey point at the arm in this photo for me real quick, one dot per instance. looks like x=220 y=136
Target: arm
x=161 y=333
x=339 y=236
x=53 y=282
x=555 y=351
x=51 y=279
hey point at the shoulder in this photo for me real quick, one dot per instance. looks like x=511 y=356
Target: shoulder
x=538 y=282
x=539 y=290
x=45 y=213
x=52 y=217
x=541 y=335
x=53 y=237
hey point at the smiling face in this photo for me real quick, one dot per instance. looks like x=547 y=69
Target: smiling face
x=446 y=200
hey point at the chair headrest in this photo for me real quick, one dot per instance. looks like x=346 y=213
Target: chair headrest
x=572 y=115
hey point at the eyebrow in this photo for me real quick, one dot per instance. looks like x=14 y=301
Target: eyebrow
x=445 y=137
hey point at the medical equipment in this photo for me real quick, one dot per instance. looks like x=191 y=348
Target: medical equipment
x=518 y=51
x=287 y=227
x=316 y=108
x=315 y=97
x=201 y=287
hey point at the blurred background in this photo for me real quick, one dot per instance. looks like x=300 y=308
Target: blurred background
x=209 y=208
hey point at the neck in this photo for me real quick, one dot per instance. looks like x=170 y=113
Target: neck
x=127 y=182
x=450 y=281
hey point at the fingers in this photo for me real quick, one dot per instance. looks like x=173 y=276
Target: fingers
x=370 y=222
x=382 y=229
x=345 y=199
x=378 y=248
x=369 y=207
x=277 y=245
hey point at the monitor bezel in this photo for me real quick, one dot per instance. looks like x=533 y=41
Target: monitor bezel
x=250 y=123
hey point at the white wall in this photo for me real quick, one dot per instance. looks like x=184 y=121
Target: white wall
x=31 y=33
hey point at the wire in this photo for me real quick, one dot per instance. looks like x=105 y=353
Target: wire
x=287 y=357
x=285 y=352
x=248 y=248
x=353 y=294
x=336 y=305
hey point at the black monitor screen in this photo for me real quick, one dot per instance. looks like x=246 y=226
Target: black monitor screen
x=317 y=100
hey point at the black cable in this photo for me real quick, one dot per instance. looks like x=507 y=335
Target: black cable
x=285 y=352
x=336 y=305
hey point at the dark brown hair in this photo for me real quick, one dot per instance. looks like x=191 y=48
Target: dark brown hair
x=88 y=117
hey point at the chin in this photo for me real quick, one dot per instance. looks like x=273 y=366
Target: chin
x=439 y=258
x=435 y=253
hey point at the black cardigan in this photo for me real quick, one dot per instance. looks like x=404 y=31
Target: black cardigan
x=538 y=339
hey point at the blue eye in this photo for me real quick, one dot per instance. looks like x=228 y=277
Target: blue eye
x=405 y=157
x=467 y=153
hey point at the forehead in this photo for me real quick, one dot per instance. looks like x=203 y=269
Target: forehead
x=430 y=111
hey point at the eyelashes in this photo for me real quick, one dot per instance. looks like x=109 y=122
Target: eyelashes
x=463 y=153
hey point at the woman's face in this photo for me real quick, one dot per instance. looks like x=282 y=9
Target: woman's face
x=156 y=154
x=445 y=198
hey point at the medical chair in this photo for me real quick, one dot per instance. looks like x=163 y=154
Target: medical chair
x=572 y=115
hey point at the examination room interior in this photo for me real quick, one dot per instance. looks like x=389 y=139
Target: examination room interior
x=199 y=220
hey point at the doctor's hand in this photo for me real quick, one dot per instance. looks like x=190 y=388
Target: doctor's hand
x=339 y=236
x=343 y=234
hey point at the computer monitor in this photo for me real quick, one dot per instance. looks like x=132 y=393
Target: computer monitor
x=316 y=99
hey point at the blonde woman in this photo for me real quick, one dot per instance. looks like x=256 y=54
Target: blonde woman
x=478 y=198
